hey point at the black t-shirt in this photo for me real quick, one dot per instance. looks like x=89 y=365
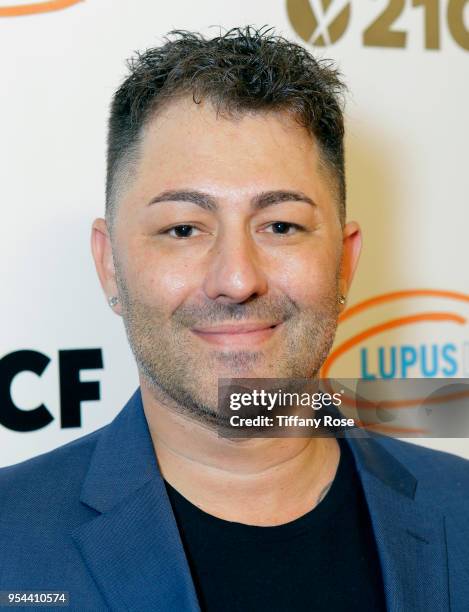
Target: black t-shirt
x=325 y=560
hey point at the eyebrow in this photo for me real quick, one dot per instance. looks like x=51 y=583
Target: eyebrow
x=208 y=202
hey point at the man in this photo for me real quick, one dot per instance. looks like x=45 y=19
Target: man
x=225 y=250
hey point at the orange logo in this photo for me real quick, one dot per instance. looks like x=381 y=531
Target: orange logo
x=435 y=346
x=433 y=316
x=36 y=7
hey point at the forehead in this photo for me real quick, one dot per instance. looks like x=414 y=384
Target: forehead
x=191 y=145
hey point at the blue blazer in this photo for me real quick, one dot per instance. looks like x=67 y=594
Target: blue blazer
x=92 y=518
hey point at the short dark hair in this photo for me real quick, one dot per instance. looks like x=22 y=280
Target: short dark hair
x=245 y=69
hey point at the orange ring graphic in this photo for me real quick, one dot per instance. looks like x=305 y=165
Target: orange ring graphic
x=432 y=316
x=399 y=295
x=390 y=429
x=37 y=7
x=419 y=401
x=377 y=329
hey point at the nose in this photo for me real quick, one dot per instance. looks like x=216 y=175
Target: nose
x=234 y=273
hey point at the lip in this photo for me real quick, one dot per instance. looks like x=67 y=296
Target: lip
x=241 y=334
x=233 y=328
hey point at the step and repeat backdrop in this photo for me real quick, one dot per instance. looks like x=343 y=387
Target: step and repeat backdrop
x=65 y=366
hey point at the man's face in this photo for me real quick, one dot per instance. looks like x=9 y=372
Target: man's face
x=227 y=253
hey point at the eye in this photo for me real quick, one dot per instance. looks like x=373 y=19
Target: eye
x=283 y=227
x=181 y=231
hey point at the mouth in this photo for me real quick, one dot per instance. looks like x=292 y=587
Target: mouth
x=241 y=335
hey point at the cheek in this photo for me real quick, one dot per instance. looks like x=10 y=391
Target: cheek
x=160 y=280
x=306 y=276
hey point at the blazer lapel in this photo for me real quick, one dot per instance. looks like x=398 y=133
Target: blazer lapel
x=410 y=535
x=132 y=547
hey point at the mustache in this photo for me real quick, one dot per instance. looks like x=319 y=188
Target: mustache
x=271 y=309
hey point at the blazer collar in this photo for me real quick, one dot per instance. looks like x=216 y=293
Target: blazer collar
x=409 y=532
x=134 y=550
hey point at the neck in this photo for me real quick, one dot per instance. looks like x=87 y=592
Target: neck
x=256 y=481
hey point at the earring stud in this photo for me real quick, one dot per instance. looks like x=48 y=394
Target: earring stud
x=341 y=299
x=113 y=301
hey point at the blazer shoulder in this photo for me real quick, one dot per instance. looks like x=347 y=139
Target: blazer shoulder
x=436 y=471
x=51 y=479
x=422 y=454
x=56 y=456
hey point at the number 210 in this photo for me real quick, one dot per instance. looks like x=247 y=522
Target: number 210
x=381 y=34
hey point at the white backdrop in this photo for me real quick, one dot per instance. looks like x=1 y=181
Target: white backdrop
x=408 y=180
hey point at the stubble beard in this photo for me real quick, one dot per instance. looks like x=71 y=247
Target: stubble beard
x=185 y=383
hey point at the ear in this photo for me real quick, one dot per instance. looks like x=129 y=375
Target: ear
x=103 y=260
x=351 y=248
